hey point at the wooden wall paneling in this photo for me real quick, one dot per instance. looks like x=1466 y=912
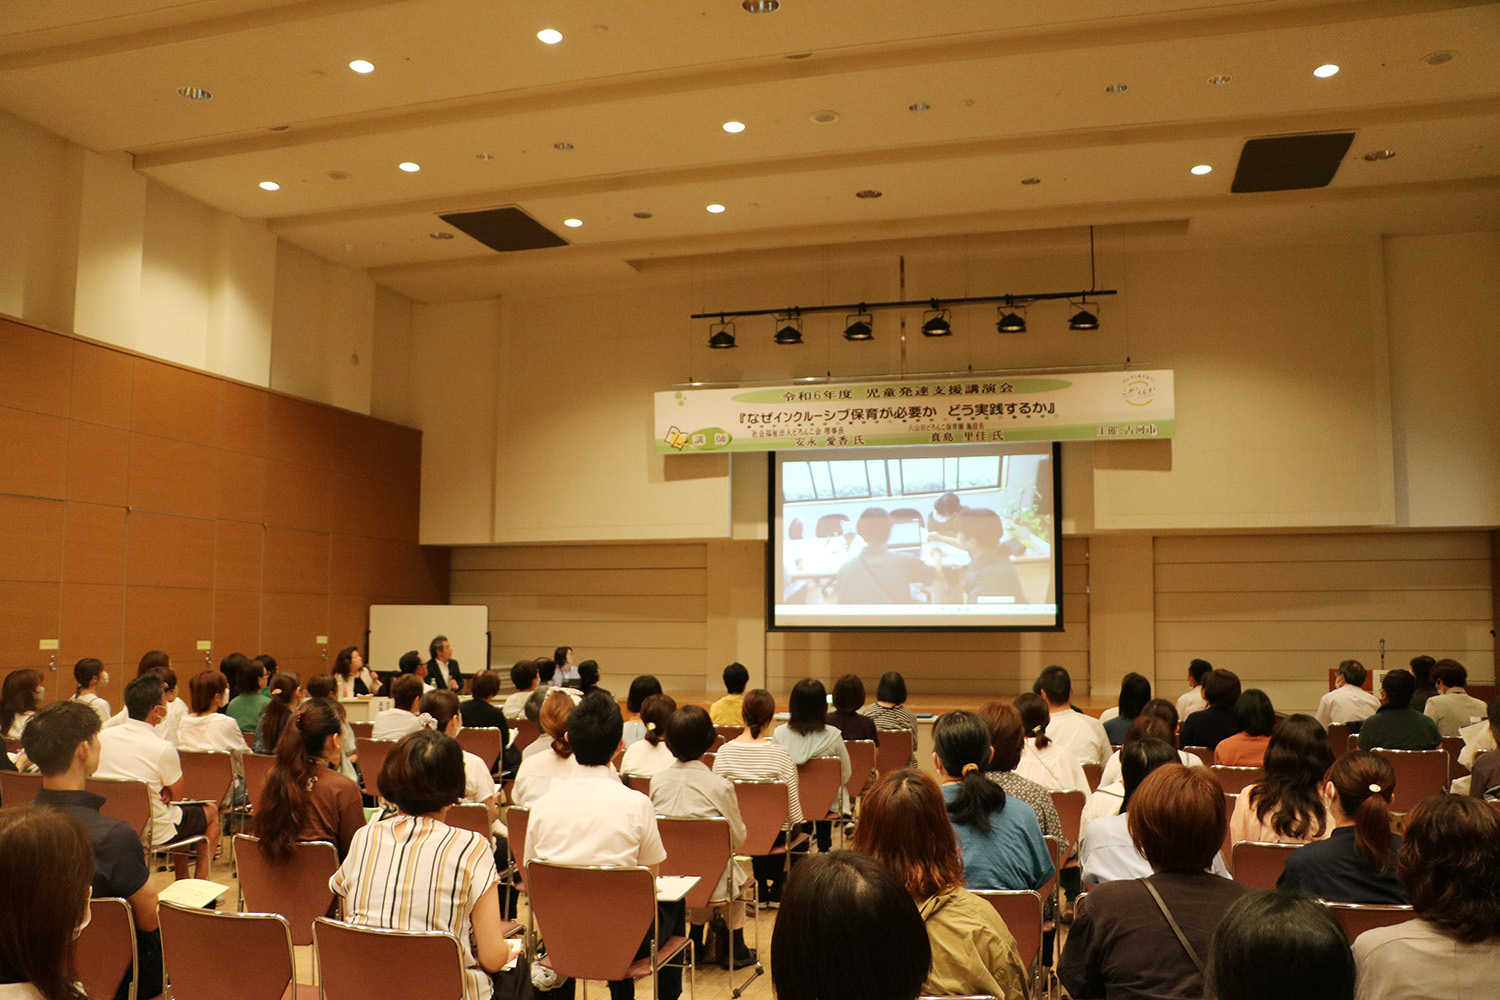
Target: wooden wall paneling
x=102 y=385
x=297 y=496
x=172 y=477
x=37 y=367
x=240 y=487
x=296 y=562
x=33 y=453
x=351 y=563
x=348 y=618
x=173 y=619
x=175 y=403
x=298 y=432
x=92 y=623
x=353 y=506
x=28 y=612
x=93 y=544
x=236 y=626
x=31 y=539
x=98 y=463
x=238 y=554
x=242 y=419
x=169 y=550
x=290 y=625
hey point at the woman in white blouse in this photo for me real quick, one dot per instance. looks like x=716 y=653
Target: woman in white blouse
x=479 y=784
x=537 y=772
x=203 y=728
x=353 y=677
x=1043 y=761
x=650 y=754
x=90 y=675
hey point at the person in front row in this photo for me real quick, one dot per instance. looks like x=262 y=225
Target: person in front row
x=62 y=740
x=1348 y=701
x=1081 y=735
x=45 y=866
x=877 y=575
x=1452 y=707
x=1276 y=945
x=1207 y=727
x=401 y=718
x=726 y=711
x=1398 y=726
x=592 y=819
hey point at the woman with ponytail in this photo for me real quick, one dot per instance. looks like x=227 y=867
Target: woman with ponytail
x=999 y=837
x=1357 y=863
x=649 y=755
x=537 y=772
x=751 y=756
x=1043 y=760
x=305 y=797
x=286 y=695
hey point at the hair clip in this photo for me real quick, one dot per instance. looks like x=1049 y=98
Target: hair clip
x=1375 y=788
x=650 y=727
x=971 y=766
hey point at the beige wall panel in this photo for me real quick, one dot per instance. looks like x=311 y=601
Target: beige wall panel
x=175 y=264
x=1349 y=547
x=111 y=220
x=38 y=242
x=1343 y=605
x=241 y=293
x=589 y=608
x=1323 y=575
x=664 y=582
x=1332 y=637
x=322 y=326
x=657 y=556
x=390 y=358
x=619 y=635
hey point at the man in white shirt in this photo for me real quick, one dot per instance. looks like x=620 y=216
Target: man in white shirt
x=523 y=676
x=1452 y=707
x=592 y=819
x=1081 y=735
x=133 y=752
x=394 y=723
x=1348 y=701
x=1192 y=699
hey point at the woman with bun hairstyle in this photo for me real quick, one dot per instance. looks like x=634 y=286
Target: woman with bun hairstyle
x=537 y=772
x=1357 y=861
x=751 y=756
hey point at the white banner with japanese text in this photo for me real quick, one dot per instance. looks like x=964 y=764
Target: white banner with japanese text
x=1084 y=406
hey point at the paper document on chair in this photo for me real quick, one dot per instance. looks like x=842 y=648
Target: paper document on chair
x=192 y=892
x=670 y=888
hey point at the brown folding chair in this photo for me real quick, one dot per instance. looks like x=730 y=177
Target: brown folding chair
x=1453 y=746
x=525 y=731
x=1236 y=779
x=483 y=742
x=708 y=760
x=106 y=948
x=701 y=847
x=364 y=729
x=249 y=740
x=594 y=918
x=207 y=954
x=516 y=821
x=764 y=808
x=1419 y=773
x=1205 y=754
x=19 y=788
x=372 y=754
x=1356 y=918
x=1338 y=735
x=207 y=775
x=1069 y=804
x=1021 y=910
x=1227 y=851
x=718 y=742
x=861 y=767
x=1259 y=865
x=298 y=890
x=727 y=733
x=356 y=963
x=894 y=750
x=638 y=782
x=130 y=801
x=818 y=782
x=1094 y=773
x=257 y=770
x=472 y=816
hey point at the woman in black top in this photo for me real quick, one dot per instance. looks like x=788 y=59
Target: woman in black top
x=478 y=713
x=1357 y=863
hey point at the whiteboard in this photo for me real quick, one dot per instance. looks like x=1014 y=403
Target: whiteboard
x=397 y=628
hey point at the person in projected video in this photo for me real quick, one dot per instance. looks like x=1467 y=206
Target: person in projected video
x=877 y=575
x=990 y=573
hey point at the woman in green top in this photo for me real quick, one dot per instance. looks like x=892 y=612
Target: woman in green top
x=250 y=699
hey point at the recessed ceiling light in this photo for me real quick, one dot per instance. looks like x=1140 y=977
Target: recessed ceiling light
x=362 y=66
x=1203 y=168
x=1219 y=79
x=641 y=215
x=919 y=106
x=1031 y=180
x=410 y=167
x=1116 y=88
x=1442 y=58
x=868 y=193
x=824 y=117
x=572 y=223
x=549 y=35
x=761 y=6
x=1326 y=70
x=716 y=208
x=269 y=186
x=563 y=146
x=441 y=236
x=1376 y=155
x=734 y=127
x=194 y=93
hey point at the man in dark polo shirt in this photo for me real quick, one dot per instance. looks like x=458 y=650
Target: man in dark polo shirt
x=1396 y=725
x=62 y=739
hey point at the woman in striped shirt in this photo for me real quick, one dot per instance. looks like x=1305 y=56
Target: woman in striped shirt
x=890 y=712
x=750 y=756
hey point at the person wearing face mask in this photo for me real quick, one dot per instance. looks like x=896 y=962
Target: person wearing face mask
x=46 y=866
x=91 y=676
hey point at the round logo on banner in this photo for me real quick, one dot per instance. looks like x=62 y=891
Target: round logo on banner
x=1139 y=390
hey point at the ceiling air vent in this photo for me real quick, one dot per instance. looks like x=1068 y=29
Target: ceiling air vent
x=504 y=229
x=1290 y=162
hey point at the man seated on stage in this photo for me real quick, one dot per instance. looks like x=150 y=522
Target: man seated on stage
x=1396 y=725
x=442 y=669
x=877 y=575
x=1452 y=707
x=1348 y=701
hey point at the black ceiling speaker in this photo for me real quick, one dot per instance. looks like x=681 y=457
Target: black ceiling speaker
x=504 y=229
x=1290 y=162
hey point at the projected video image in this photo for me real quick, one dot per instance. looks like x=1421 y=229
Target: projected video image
x=916 y=538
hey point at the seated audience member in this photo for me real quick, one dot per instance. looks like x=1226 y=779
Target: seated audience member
x=650 y=754
x=999 y=837
x=1007 y=742
x=441 y=705
x=133 y=752
x=1192 y=700
x=689 y=790
x=401 y=718
x=592 y=819
x=1286 y=806
x=305 y=797
x=354 y=678
x=442 y=669
x=554 y=762
x=547 y=673
x=1421 y=669
x=20 y=696
x=1081 y=735
x=46 y=866
x=1275 y=945
x=751 y=756
x=1256 y=719
x=158 y=663
x=90 y=676
x=889 y=710
x=286 y=695
x=480 y=711
x=983 y=535
x=1452 y=707
x=848 y=699
x=326 y=686
x=1108 y=799
x=588 y=679
x=1396 y=725
x=1357 y=862
x=1484 y=781
x=1450 y=866
x=251 y=697
x=62 y=740
x=1208 y=726
x=532 y=713
x=875 y=574
x=641 y=688
x=1348 y=701
x=523 y=678
x=567 y=670
x=1135 y=691
x=726 y=711
x=806 y=735
x=413 y=872
x=1157 y=708
x=1107 y=852
x=1043 y=760
x=204 y=727
x=904 y=825
x=229 y=666
x=848 y=930
x=1118 y=947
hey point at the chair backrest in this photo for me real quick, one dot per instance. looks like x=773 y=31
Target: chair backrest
x=728 y=732
x=1094 y=773
x=1259 y=865
x=1054 y=850
x=129 y=801
x=365 y=728
x=525 y=731
x=763 y=806
x=696 y=847
x=257 y=769
x=516 y=821
x=298 y=890
x=1205 y=754
x=249 y=739
x=206 y=774
x=372 y=755
x=719 y=741
x=593 y=919
x=483 y=742
x=1069 y=804
x=1236 y=779
x=894 y=750
x=1453 y=746
x=472 y=816
x=1338 y=735
x=357 y=963
x=18 y=788
x=818 y=783
x=861 y=765
x=106 y=948
x=1356 y=918
x=1230 y=800
x=830 y=526
x=1419 y=773
x=1021 y=909
x=708 y=760
x=638 y=782
x=205 y=950
x=1352 y=744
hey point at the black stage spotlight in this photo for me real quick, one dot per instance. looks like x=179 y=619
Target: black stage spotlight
x=935 y=322
x=721 y=335
x=790 y=332
x=861 y=325
x=1083 y=319
x=1011 y=321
